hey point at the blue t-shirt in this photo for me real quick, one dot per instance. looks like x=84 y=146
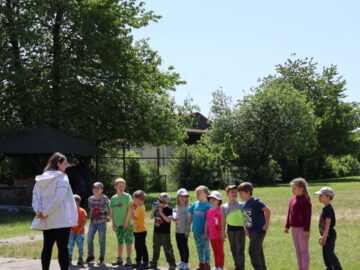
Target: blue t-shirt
x=198 y=211
x=254 y=216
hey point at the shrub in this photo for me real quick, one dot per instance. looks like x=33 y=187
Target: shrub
x=340 y=166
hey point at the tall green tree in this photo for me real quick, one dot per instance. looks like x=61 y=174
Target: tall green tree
x=75 y=65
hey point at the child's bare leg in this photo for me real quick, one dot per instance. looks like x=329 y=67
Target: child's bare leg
x=128 y=250
x=120 y=250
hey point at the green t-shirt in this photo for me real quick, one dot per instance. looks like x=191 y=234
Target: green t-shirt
x=233 y=213
x=120 y=206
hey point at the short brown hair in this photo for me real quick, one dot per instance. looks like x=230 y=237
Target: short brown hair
x=246 y=187
x=204 y=189
x=139 y=194
x=77 y=198
x=119 y=180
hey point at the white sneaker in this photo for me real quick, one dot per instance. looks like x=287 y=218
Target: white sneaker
x=186 y=266
x=179 y=265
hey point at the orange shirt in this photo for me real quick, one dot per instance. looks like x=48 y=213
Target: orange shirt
x=139 y=219
x=81 y=214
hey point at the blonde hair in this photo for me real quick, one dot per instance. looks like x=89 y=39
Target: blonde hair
x=301 y=182
x=204 y=189
x=178 y=201
x=119 y=180
x=77 y=198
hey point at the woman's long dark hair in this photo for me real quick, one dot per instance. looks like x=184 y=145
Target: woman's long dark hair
x=52 y=164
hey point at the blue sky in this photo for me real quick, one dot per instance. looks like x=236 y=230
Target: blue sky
x=230 y=44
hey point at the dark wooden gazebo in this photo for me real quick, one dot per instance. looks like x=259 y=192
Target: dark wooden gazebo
x=45 y=140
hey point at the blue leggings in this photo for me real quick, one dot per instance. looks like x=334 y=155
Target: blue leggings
x=202 y=247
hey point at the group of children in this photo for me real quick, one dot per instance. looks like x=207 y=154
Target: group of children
x=210 y=221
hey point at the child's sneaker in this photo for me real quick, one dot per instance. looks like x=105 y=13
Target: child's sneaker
x=201 y=266
x=153 y=265
x=80 y=261
x=186 y=266
x=172 y=267
x=118 y=261
x=145 y=265
x=128 y=262
x=101 y=260
x=206 y=266
x=89 y=259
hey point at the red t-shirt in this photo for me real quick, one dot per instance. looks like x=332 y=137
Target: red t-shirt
x=81 y=214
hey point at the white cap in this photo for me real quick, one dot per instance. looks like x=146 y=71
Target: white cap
x=182 y=192
x=326 y=191
x=216 y=195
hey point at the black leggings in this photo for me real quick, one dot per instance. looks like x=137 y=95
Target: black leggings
x=140 y=247
x=182 y=244
x=61 y=237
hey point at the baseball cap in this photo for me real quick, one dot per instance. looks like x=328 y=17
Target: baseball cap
x=230 y=187
x=182 y=191
x=326 y=191
x=98 y=184
x=164 y=197
x=216 y=195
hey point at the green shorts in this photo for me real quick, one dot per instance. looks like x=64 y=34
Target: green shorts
x=125 y=236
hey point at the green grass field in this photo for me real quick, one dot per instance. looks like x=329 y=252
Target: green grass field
x=278 y=247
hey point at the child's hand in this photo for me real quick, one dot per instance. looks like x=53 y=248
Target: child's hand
x=126 y=224
x=322 y=241
x=206 y=236
x=114 y=227
x=265 y=227
x=306 y=234
x=223 y=236
x=160 y=209
x=286 y=230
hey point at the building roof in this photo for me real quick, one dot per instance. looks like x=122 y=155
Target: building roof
x=46 y=140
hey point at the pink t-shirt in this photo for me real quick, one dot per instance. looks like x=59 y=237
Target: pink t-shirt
x=213 y=218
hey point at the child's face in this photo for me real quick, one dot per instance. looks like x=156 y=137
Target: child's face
x=232 y=195
x=138 y=202
x=244 y=196
x=97 y=191
x=298 y=191
x=161 y=204
x=120 y=187
x=324 y=198
x=77 y=203
x=182 y=199
x=214 y=203
x=201 y=195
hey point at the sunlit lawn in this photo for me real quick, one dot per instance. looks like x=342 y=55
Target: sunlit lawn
x=278 y=247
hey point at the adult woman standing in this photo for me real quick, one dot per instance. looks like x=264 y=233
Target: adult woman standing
x=55 y=210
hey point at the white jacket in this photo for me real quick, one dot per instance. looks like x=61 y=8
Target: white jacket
x=52 y=195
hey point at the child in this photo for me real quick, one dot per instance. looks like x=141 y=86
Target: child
x=181 y=216
x=326 y=225
x=197 y=217
x=299 y=218
x=257 y=219
x=139 y=211
x=233 y=219
x=99 y=214
x=77 y=232
x=162 y=214
x=122 y=223
x=213 y=229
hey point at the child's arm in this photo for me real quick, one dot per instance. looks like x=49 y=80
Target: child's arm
x=165 y=217
x=187 y=230
x=267 y=213
x=287 y=225
x=323 y=238
x=307 y=219
x=152 y=213
x=189 y=223
x=128 y=215
x=112 y=219
x=82 y=226
x=206 y=233
x=223 y=227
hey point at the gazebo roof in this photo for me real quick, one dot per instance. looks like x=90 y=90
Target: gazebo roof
x=45 y=140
